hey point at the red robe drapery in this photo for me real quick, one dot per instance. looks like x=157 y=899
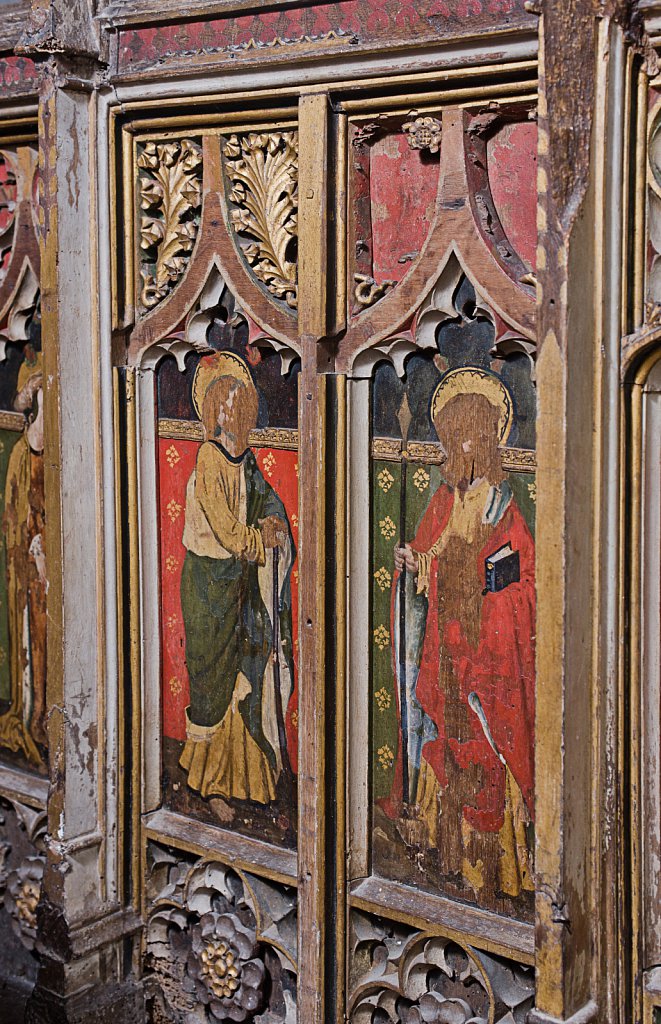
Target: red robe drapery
x=500 y=669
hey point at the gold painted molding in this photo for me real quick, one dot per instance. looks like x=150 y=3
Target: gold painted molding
x=191 y=430
x=515 y=460
x=12 y=420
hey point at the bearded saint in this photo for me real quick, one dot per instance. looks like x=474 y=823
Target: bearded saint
x=470 y=659
x=236 y=601
x=23 y=726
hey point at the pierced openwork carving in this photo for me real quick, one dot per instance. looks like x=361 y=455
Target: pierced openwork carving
x=402 y=976
x=22 y=860
x=221 y=945
x=263 y=170
x=170 y=187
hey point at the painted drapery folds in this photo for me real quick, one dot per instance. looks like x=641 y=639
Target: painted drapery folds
x=435 y=333
x=229 y=510
x=452 y=628
x=23 y=566
x=227 y=465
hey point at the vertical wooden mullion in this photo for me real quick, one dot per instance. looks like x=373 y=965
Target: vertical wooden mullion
x=312 y=313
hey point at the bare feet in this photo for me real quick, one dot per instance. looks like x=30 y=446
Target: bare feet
x=222 y=810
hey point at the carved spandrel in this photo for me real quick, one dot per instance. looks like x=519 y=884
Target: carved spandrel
x=401 y=975
x=170 y=197
x=262 y=173
x=22 y=859
x=221 y=944
x=211 y=263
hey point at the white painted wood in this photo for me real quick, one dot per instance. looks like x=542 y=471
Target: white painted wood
x=441 y=56
x=150 y=605
x=109 y=540
x=81 y=508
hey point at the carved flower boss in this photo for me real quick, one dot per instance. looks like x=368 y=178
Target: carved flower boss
x=22 y=897
x=222 y=970
x=424 y=133
x=207 y=961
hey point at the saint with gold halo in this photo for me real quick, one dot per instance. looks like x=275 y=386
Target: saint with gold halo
x=239 y=656
x=23 y=726
x=469 y=659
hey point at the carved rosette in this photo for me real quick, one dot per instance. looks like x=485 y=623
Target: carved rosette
x=403 y=976
x=209 y=957
x=170 y=196
x=423 y=133
x=262 y=173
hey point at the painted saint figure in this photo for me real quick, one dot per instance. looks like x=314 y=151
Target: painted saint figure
x=23 y=726
x=236 y=602
x=469 y=660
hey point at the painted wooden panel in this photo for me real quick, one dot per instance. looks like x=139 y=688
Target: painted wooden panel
x=23 y=581
x=230 y=682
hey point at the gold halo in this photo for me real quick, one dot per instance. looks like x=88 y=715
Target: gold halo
x=211 y=368
x=470 y=380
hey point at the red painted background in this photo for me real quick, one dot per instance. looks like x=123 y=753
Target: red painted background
x=361 y=21
x=403 y=191
x=512 y=156
x=176 y=463
x=17 y=74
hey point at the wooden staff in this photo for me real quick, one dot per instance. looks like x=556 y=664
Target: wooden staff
x=287 y=773
x=404 y=417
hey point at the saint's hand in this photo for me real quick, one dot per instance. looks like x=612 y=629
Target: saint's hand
x=25 y=397
x=406 y=558
x=274 y=531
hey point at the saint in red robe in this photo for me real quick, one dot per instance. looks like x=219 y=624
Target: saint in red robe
x=471 y=678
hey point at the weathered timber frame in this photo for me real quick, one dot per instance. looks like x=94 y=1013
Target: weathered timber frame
x=598 y=349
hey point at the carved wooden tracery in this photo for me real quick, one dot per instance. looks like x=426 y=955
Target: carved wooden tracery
x=220 y=224
x=325 y=216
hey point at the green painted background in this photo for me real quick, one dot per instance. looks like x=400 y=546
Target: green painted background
x=422 y=482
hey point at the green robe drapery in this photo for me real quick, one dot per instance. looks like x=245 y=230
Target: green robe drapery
x=228 y=620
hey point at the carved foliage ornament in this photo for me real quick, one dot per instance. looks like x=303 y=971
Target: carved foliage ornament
x=170 y=194
x=209 y=954
x=21 y=876
x=263 y=171
x=423 y=133
x=402 y=976
x=8 y=200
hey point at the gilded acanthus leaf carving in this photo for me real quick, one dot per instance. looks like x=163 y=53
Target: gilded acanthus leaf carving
x=170 y=189
x=263 y=170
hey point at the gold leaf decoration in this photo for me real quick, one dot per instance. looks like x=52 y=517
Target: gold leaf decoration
x=386 y=480
x=387 y=527
x=263 y=170
x=383 y=699
x=383 y=578
x=170 y=193
x=421 y=479
x=381 y=637
x=386 y=757
x=423 y=133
